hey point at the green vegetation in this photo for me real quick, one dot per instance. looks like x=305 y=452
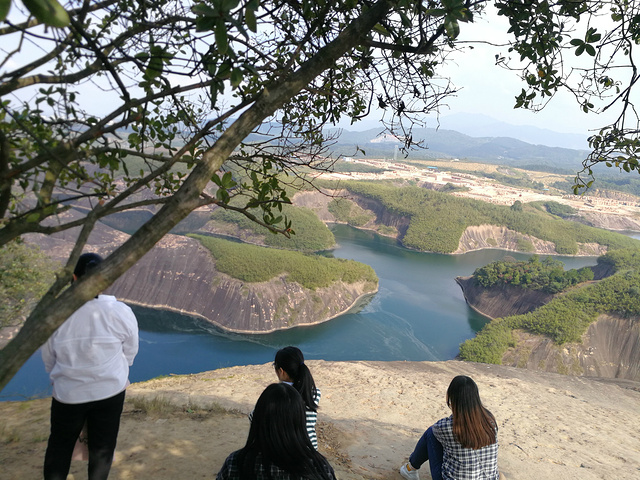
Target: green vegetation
x=564 y=319
x=554 y=208
x=547 y=275
x=357 y=167
x=345 y=210
x=438 y=220
x=311 y=235
x=622 y=260
x=251 y=263
x=25 y=275
x=450 y=187
x=567 y=317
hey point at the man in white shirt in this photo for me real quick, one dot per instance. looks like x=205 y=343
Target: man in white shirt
x=88 y=361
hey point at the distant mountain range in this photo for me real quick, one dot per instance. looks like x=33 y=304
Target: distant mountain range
x=442 y=143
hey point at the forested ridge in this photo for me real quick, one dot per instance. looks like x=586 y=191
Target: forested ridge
x=567 y=317
x=547 y=275
x=438 y=220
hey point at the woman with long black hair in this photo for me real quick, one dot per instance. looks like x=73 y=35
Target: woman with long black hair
x=278 y=447
x=463 y=446
x=290 y=368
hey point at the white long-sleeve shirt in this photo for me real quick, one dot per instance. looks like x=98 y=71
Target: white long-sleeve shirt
x=88 y=357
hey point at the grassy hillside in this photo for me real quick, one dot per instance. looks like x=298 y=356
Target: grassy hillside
x=251 y=263
x=311 y=235
x=438 y=220
x=567 y=317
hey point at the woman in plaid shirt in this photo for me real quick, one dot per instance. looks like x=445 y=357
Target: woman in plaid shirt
x=463 y=446
x=278 y=447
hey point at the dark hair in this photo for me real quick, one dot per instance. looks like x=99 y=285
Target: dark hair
x=291 y=360
x=86 y=263
x=278 y=434
x=473 y=425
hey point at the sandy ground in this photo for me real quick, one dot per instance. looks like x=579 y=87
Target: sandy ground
x=371 y=415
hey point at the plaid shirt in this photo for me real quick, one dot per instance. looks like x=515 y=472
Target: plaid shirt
x=231 y=470
x=461 y=463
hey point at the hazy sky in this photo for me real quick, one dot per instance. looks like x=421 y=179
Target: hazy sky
x=490 y=90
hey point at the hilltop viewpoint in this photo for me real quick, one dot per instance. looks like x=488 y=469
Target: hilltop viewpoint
x=371 y=414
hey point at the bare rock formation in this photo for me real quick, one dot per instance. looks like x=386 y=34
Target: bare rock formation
x=179 y=274
x=610 y=221
x=502 y=301
x=610 y=349
x=491 y=236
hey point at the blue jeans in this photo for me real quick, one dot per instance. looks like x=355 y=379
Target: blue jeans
x=428 y=448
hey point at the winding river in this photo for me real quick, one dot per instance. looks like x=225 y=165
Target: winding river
x=418 y=314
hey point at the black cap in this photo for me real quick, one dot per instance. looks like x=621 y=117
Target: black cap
x=86 y=263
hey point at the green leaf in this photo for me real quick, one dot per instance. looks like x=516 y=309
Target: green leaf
x=250 y=19
x=33 y=218
x=236 y=77
x=49 y=12
x=222 y=41
x=5 y=6
x=452 y=28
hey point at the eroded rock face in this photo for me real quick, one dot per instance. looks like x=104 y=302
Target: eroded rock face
x=490 y=236
x=610 y=222
x=179 y=274
x=502 y=301
x=610 y=349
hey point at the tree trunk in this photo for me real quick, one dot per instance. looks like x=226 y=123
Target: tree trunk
x=50 y=314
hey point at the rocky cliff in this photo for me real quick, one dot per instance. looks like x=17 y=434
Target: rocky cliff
x=179 y=274
x=610 y=348
x=492 y=236
x=502 y=301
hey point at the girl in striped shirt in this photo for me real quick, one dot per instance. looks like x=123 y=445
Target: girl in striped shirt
x=290 y=368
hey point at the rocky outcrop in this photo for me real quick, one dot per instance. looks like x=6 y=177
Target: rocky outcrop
x=502 y=301
x=610 y=349
x=491 y=236
x=179 y=274
x=609 y=221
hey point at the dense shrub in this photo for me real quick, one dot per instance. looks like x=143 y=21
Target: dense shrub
x=547 y=275
x=345 y=210
x=25 y=275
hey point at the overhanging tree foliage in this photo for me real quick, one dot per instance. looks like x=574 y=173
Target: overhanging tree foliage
x=130 y=103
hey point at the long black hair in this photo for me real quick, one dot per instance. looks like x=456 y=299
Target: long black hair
x=473 y=425
x=291 y=360
x=278 y=434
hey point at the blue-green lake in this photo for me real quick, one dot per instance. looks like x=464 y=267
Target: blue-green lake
x=418 y=314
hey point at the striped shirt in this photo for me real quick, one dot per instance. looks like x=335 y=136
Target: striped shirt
x=462 y=463
x=312 y=418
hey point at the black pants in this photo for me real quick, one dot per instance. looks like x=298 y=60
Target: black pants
x=67 y=420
